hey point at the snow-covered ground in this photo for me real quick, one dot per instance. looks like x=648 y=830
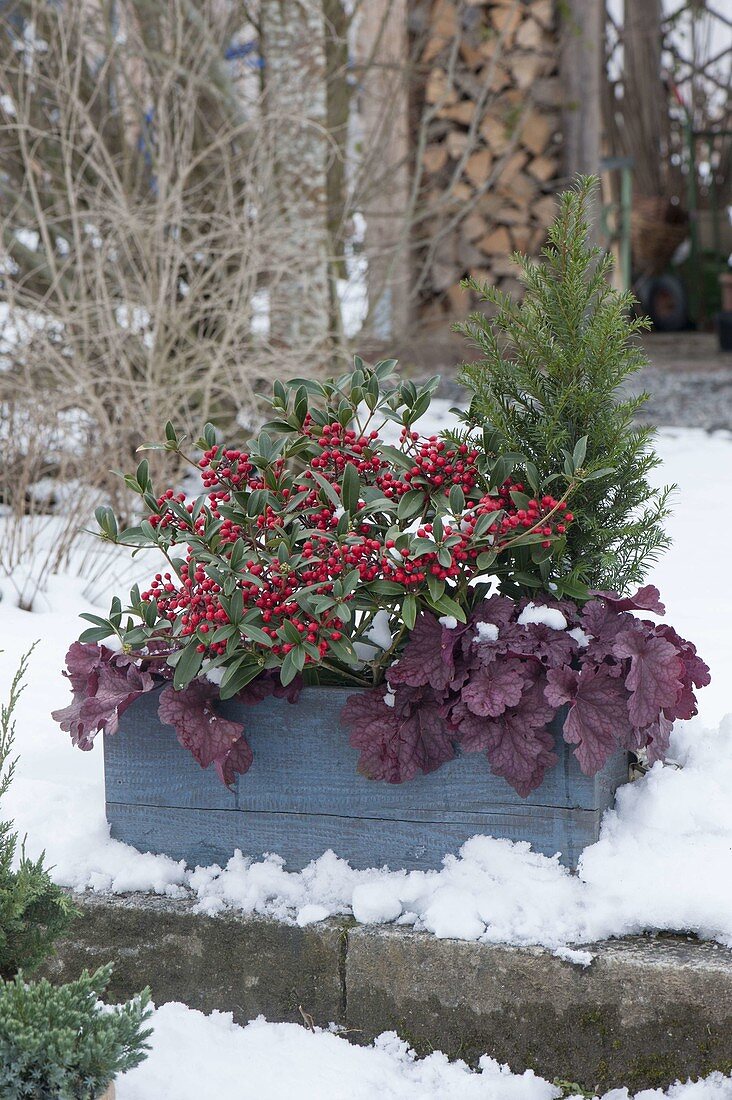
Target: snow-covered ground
x=664 y=860
x=265 y=1061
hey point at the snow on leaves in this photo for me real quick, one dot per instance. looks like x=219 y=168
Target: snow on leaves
x=618 y=682
x=495 y=685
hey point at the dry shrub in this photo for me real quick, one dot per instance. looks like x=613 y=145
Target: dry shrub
x=137 y=219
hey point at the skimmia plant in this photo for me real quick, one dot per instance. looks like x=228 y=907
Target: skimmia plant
x=443 y=576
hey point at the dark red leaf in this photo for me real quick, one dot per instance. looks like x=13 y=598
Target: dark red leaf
x=498 y=611
x=696 y=674
x=647 y=598
x=237 y=761
x=518 y=744
x=602 y=622
x=206 y=734
x=104 y=685
x=656 y=675
x=494 y=687
x=553 y=648
x=427 y=657
x=396 y=742
x=268 y=684
x=598 y=713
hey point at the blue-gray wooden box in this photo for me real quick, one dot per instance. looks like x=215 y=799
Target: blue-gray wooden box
x=303 y=795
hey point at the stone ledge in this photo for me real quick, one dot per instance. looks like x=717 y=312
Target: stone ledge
x=230 y=962
x=646 y=1011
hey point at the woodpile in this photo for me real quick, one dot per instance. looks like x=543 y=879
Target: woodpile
x=490 y=142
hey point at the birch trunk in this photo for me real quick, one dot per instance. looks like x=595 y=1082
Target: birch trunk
x=296 y=115
x=383 y=53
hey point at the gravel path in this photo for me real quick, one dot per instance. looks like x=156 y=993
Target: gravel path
x=698 y=399
x=689 y=380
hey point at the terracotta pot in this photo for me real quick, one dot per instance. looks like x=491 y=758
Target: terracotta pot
x=109 y=1094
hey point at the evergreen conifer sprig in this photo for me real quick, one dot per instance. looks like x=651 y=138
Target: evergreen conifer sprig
x=34 y=912
x=547 y=384
x=63 y=1042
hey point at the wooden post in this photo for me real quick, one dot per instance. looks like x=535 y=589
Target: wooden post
x=581 y=60
x=645 y=97
x=581 y=66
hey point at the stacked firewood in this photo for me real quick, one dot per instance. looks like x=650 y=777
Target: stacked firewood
x=489 y=146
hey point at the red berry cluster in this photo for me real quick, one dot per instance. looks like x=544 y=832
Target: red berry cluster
x=514 y=517
x=338 y=445
x=435 y=466
x=197 y=604
x=270 y=587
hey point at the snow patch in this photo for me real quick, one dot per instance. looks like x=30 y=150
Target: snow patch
x=448 y=621
x=270 y=1061
x=486 y=632
x=547 y=616
x=380 y=632
x=311 y=914
x=376 y=903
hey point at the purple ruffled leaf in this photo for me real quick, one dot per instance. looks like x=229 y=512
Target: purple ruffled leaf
x=237 y=761
x=498 y=611
x=104 y=683
x=396 y=742
x=602 y=623
x=598 y=713
x=696 y=674
x=647 y=598
x=656 y=675
x=200 y=729
x=553 y=648
x=268 y=685
x=494 y=687
x=428 y=656
x=518 y=744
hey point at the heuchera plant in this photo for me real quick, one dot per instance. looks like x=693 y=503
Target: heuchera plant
x=497 y=682
x=463 y=583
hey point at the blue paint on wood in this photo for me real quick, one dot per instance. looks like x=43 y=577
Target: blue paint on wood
x=202 y=837
x=303 y=795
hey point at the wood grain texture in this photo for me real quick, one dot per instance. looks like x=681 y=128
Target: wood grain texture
x=202 y=837
x=303 y=795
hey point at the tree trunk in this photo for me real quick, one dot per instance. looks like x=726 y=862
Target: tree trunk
x=296 y=116
x=581 y=66
x=644 y=96
x=581 y=62
x=383 y=54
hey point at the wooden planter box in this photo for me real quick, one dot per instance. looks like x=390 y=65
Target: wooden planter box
x=303 y=795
